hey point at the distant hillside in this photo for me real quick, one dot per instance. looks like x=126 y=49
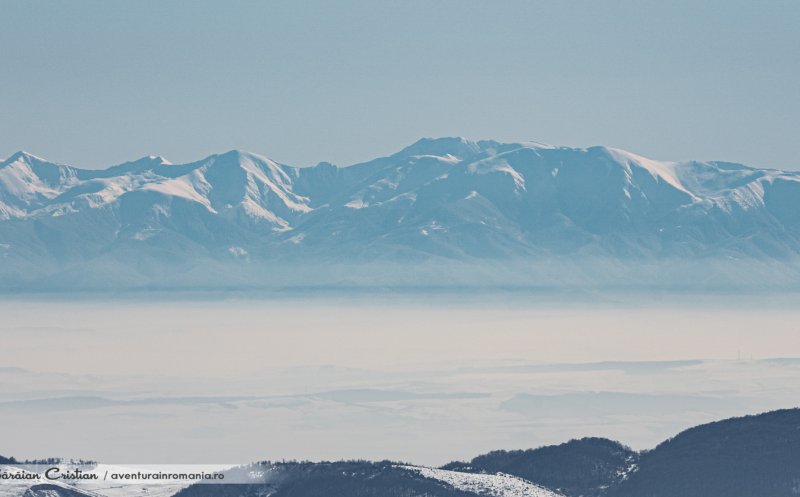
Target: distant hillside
x=586 y=467
x=754 y=456
x=366 y=479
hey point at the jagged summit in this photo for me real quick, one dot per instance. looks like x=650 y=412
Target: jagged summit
x=23 y=155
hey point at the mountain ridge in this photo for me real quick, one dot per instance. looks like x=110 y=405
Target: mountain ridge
x=447 y=208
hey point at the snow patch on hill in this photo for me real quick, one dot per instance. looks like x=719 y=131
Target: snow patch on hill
x=497 y=485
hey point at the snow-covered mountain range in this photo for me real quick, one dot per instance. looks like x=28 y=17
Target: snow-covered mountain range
x=442 y=212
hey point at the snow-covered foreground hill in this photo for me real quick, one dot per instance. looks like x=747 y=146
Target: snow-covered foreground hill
x=451 y=483
x=440 y=212
x=737 y=457
x=492 y=485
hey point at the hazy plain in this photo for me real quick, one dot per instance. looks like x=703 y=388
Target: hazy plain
x=417 y=378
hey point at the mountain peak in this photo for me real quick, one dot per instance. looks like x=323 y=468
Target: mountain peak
x=145 y=163
x=24 y=155
x=151 y=160
x=238 y=156
x=157 y=158
x=457 y=146
x=234 y=152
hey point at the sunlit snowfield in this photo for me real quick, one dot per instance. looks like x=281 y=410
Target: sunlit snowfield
x=422 y=379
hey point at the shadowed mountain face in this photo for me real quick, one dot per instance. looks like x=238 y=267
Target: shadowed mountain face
x=440 y=212
x=740 y=457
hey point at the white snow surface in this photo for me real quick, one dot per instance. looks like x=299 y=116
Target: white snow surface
x=496 y=485
x=665 y=171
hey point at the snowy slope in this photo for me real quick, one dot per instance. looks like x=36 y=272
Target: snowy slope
x=497 y=485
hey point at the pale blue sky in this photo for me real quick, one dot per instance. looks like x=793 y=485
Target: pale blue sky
x=98 y=82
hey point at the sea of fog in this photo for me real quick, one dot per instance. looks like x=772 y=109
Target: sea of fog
x=424 y=378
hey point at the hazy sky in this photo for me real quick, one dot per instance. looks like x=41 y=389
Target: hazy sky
x=99 y=82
